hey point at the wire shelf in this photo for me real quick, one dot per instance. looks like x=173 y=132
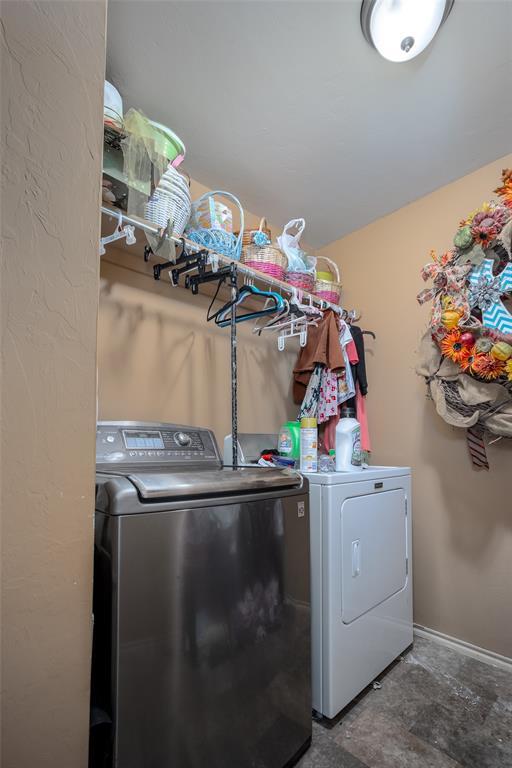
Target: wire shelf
x=245 y=272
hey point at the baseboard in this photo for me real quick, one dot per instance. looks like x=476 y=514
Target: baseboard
x=488 y=657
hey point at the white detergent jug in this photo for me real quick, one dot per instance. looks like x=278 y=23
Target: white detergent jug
x=348 y=442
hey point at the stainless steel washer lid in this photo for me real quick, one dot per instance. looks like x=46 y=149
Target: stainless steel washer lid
x=166 y=485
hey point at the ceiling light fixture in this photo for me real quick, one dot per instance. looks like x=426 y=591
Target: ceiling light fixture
x=401 y=29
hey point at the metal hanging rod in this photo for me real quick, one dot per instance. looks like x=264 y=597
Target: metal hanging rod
x=242 y=269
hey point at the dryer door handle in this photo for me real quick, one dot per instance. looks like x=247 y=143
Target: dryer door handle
x=356 y=558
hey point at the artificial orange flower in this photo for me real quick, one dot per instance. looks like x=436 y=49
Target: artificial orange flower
x=484 y=235
x=468 y=359
x=505 y=191
x=452 y=347
x=508 y=369
x=488 y=367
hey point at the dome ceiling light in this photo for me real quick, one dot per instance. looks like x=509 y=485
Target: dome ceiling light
x=401 y=29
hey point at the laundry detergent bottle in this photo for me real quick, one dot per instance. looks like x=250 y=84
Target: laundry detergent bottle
x=348 y=442
x=288 y=443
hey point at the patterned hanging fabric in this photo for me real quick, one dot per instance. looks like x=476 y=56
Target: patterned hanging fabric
x=309 y=407
x=475 y=438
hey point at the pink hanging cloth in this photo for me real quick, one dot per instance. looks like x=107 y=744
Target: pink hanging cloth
x=362 y=419
x=330 y=432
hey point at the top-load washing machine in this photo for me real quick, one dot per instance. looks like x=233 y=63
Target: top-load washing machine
x=361 y=579
x=201 y=645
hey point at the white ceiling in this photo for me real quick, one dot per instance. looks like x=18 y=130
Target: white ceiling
x=286 y=105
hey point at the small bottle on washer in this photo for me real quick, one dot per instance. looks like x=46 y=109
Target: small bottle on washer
x=308 y=445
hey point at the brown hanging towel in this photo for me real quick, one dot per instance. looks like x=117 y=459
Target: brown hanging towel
x=322 y=348
x=475 y=438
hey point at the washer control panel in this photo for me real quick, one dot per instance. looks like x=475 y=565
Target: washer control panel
x=145 y=443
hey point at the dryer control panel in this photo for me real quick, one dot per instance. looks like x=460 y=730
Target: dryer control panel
x=144 y=444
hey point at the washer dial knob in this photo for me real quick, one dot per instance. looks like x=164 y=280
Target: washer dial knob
x=182 y=439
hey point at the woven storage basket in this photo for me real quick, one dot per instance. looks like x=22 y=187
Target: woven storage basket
x=265 y=258
x=208 y=213
x=215 y=238
x=170 y=202
x=330 y=290
x=303 y=280
x=248 y=237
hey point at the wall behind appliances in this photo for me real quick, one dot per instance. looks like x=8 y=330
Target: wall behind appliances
x=159 y=360
x=53 y=61
x=462 y=517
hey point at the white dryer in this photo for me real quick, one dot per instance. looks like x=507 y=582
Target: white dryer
x=361 y=579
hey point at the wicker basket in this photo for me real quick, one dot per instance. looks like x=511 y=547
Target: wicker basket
x=265 y=258
x=208 y=213
x=303 y=280
x=248 y=237
x=170 y=202
x=330 y=290
x=217 y=239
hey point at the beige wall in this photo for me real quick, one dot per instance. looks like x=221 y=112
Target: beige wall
x=462 y=517
x=158 y=358
x=52 y=60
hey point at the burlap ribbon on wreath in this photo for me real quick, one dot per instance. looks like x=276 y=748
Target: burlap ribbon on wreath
x=447 y=281
x=461 y=400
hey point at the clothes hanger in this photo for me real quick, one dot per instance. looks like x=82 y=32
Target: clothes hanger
x=270 y=324
x=307 y=309
x=296 y=328
x=222 y=316
x=291 y=314
x=220 y=282
x=119 y=232
x=291 y=323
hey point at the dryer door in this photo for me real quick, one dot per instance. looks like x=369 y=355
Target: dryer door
x=374 y=551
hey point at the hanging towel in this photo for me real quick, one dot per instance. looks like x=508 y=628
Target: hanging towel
x=359 y=369
x=346 y=384
x=322 y=348
x=361 y=385
x=330 y=432
x=309 y=407
x=347 y=342
x=362 y=419
x=328 y=400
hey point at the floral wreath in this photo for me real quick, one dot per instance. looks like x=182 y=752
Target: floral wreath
x=469 y=341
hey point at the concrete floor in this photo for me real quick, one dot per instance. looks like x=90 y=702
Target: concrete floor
x=437 y=708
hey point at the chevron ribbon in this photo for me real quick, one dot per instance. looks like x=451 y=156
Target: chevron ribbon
x=495 y=316
x=476 y=445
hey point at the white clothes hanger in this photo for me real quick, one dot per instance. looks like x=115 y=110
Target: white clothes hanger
x=298 y=328
x=271 y=324
x=119 y=232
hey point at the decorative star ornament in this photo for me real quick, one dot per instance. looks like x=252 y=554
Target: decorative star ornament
x=486 y=291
